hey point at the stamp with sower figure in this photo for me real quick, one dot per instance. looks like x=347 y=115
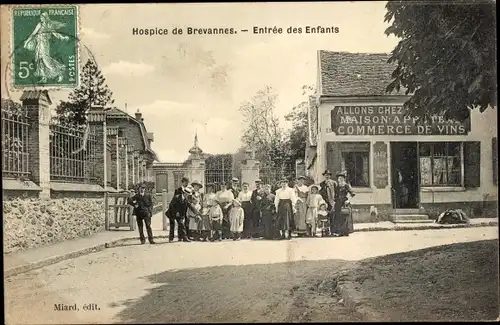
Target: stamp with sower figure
x=45 y=47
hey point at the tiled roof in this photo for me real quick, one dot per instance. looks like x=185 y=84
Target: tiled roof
x=355 y=74
x=35 y=94
x=118 y=113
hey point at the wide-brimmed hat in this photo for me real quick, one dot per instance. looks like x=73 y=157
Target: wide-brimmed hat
x=283 y=180
x=258 y=180
x=317 y=186
x=196 y=183
x=235 y=179
x=236 y=201
x=322 y=202
x=188 y=190
x=326 y=172
x=301 y=177
x=342 y=173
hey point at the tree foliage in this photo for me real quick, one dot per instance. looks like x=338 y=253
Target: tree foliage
x=446 y=58
x=93 y=91
x=263 y=133
x=297 y=136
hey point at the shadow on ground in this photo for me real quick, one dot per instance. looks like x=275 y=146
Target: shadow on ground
x=453 y=282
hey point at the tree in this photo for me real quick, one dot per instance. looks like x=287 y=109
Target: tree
x=297 y=136
x=92 y=91
x=263 y=133
x=446 y=58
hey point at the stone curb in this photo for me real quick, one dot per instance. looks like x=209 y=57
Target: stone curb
x=429 y=227
x=118 y=242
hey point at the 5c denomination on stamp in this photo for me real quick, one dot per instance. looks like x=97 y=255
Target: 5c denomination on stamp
x=45 y=47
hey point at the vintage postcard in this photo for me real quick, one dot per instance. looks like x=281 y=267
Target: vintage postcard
x=250 y=162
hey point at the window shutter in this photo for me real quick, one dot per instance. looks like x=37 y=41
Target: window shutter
x=333 y=157
x=472 y=163
x=495 y=160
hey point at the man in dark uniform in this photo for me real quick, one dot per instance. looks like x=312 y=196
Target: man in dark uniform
x=176 y=212
x=327 y=190
x=143 y=208
x=184 y=184
x=235 y=187
x=256 y=199
x=180 y=190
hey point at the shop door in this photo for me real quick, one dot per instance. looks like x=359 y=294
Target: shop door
x=404 y=174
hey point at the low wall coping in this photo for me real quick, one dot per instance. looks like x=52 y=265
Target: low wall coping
x=18 y=185
x=75 y=187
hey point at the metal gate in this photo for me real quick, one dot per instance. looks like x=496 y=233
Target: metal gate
x=117 y=212
x=218 y=170
x=271 y=175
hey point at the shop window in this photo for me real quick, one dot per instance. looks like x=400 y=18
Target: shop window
x=355 y=161
x=441 y=164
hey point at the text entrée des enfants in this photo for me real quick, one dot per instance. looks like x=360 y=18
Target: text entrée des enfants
x=270 y=30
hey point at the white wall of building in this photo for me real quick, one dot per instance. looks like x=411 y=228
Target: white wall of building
x=483 y=129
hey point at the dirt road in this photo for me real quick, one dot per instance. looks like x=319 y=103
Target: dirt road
x=244 y=281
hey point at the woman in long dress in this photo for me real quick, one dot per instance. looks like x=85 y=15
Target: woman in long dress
x=284 y=202
x=245 y=198
x=268 y=211
x=225 y=197
x=301 y=192
x=46 y=67
x=342 y=224
x=208 y=202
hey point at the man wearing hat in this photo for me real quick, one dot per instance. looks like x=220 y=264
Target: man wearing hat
x=256 y=199
x=176 y=213
x=235 y=186
x=184 y=184
x=143 y=208
x=327 y=190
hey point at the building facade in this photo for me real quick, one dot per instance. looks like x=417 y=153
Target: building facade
x=394 y=162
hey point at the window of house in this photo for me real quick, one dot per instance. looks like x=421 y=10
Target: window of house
x=161 y=182
x=355 y=161
x=441 y=163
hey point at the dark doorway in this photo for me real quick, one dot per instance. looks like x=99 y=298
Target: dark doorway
x=404 y=172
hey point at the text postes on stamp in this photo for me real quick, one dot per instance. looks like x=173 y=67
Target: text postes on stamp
x=45 y=47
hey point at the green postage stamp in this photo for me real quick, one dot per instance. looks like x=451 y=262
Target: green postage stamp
x=45 y=47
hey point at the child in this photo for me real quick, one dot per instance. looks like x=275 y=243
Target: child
x=236 y=218
x=216 y=217
x=194 y=214
x=323 y=218
x=313 y=202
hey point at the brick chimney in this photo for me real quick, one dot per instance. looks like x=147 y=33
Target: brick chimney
x=138 y=116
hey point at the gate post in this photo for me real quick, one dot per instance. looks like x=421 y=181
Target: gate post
x=164 y=209
x=196 y=170
x=131 y=217
x=106 y=210
x=250 y=169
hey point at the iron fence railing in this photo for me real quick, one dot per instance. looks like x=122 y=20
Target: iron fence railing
x=273 y=174
x=15 y=132
x=73 y=154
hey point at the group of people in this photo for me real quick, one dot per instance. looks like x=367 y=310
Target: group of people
x=231 y=213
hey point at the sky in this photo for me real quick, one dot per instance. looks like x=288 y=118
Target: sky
x=184 y=84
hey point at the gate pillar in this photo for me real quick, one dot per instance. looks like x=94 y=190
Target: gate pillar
x=250 y=169
x=196 y=171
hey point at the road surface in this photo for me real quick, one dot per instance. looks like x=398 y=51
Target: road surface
x=243 y=281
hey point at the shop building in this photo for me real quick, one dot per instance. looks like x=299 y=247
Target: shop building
x=398 y=166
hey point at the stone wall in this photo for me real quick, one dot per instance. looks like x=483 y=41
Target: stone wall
x=32 y=222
